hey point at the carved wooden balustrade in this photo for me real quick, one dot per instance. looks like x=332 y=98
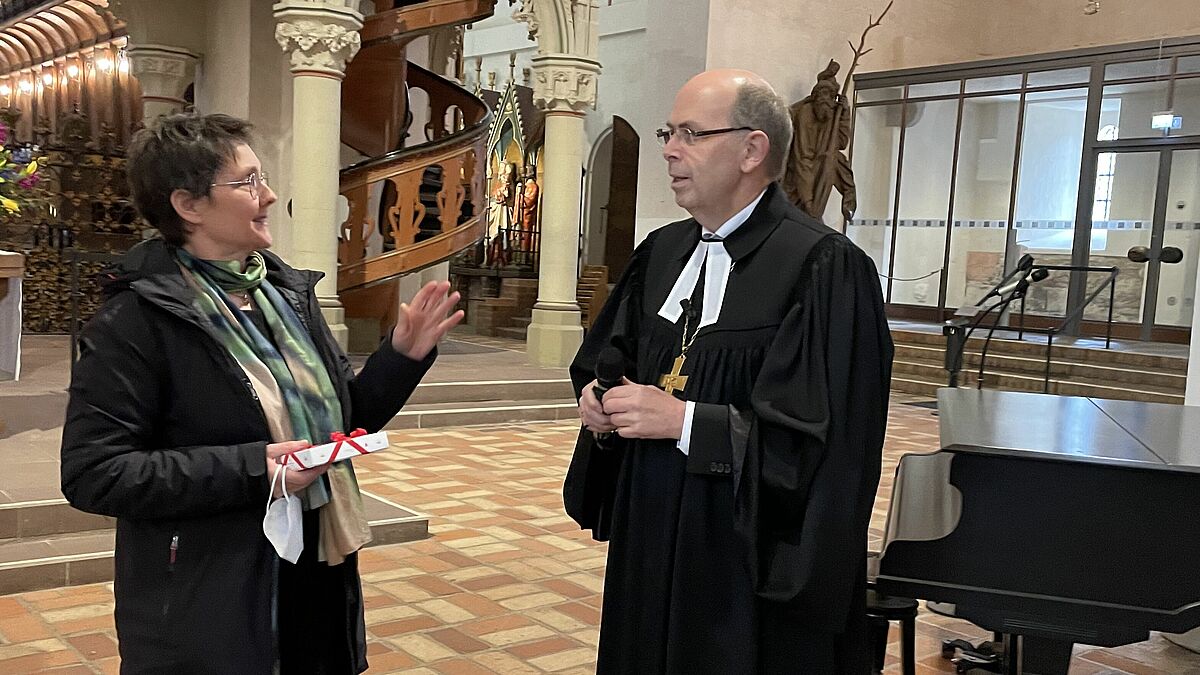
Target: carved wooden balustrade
x=433 y=193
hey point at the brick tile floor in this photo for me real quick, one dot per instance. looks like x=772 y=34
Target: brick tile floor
x=505 y=585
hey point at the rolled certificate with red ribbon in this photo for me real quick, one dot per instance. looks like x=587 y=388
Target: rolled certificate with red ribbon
x=344 y=446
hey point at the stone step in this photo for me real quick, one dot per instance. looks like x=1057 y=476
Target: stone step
x=31 y=519
x=424 y=416
x=928 y=389
x=1066 y=372
x=918 y=387
x=490 y=390
x=934 y=378
x=1064 y=354
x=496 y=302
x=519 y=288
x=85 y=557
x=1173 y=382
x=52 y=561
x=522 y=321
x=1060 y=352
x=511 y=332
x=1033 y=380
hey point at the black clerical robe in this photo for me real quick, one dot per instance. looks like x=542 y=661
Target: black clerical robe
x=749 y=553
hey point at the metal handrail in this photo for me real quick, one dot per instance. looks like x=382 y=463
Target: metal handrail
x=1110 y=283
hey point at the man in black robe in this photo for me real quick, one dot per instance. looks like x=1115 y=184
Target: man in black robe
x=737 y=488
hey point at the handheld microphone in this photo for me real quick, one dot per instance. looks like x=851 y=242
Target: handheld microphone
x=1021 y=283
x=610 y=368
x=1010 y=280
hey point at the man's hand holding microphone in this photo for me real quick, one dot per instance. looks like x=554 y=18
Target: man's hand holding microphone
x=611 y=403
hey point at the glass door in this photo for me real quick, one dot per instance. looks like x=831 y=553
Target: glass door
x=1124 y=219
x=1175 y=257
x=1144 y=222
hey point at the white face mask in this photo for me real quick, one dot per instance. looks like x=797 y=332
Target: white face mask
x=283 y=524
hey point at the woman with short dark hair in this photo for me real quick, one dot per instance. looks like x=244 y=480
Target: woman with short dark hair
x=210 y=360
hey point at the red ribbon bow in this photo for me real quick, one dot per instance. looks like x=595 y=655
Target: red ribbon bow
x=339 y=438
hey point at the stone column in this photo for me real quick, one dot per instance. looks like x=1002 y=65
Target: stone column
x=164 y=74
x=565 y=71
x=320 y=38
x=564 y=86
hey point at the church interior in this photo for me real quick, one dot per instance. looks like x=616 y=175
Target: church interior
x=983 y=155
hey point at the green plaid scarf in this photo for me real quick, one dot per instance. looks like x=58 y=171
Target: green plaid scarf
x=292 y=359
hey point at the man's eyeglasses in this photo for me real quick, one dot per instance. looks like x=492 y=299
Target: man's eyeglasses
x=689 y=136
x=255 y=180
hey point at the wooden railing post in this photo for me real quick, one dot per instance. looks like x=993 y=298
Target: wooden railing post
x=452 y=195
x=406 y=214
x=352 y=242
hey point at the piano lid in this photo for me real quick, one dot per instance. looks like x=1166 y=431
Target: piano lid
x=1172 y=432
x=1070 y=428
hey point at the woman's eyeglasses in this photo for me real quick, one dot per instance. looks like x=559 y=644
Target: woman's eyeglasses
x=256 y=180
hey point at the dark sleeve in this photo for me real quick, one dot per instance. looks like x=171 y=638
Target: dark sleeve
x=110 y=464
x=590 y=485
x=720 y=426
x=384 y=384
x=808 y=460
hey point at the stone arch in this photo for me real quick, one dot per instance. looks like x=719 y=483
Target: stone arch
x=596 y=184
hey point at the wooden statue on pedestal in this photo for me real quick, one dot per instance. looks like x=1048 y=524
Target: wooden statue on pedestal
x=818 y=163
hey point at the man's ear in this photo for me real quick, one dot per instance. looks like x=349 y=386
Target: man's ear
x=187 y=206
x=758 y=146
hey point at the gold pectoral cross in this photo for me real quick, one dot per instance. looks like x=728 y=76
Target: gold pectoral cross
x=673 y=380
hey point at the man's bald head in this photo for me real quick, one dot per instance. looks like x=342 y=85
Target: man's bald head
x=750 y=101
x=726 y=140
x=723 y=81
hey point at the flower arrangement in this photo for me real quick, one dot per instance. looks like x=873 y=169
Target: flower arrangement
x=19 y=172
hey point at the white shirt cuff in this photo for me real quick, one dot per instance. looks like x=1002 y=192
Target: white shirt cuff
x=685 y=439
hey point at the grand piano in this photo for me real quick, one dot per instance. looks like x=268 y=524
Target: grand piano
x=1052 y=520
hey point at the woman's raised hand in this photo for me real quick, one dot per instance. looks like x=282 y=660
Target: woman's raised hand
x=426 y=320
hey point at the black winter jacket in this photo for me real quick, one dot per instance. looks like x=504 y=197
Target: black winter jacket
x=165 y=433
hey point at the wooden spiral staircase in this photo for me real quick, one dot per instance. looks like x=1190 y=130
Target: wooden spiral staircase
x=417 y=198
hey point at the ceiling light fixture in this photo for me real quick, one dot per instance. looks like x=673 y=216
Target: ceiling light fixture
x=1091 y=7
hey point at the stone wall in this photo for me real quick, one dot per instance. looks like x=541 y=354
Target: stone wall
x=1049 y=296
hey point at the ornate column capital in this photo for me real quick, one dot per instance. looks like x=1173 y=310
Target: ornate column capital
x=320 y=37
x=564 y=83
x=163 y=71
